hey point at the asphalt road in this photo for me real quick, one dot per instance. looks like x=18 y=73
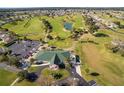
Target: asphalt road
x=82 y=81
x=74 y=75
x=9 y=68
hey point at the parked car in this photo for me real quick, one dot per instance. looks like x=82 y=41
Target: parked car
x=38 y=62
x=77 y=59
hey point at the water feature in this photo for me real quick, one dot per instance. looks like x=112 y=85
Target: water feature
x=68 y=26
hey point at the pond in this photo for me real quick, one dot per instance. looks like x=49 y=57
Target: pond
x=68 y=26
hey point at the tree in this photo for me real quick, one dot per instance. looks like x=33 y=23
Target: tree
x=57 y=75
x=25 y=38
x=48 y=28
x=94 y=74
x=3 y=58
x=91 y=24
x=58 y=38
x=118 y=23
x=32 y=60
x=6 y=29
x=49 y=37
x=13 y=60
x=31 y=77
x=61 y=66
x=22 y=74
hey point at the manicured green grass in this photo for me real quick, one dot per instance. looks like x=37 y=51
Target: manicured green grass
x=32 y=69
x=58 y=27
x=48 y=72
x=6 y=77
x=97 y=58
x=61 y=44
x=26 y=83
x=31 y=28
x=79 y=21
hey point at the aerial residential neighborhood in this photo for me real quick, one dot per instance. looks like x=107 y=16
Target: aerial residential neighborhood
x=61 y=46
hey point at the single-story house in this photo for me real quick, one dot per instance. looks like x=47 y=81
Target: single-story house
x=6 y=37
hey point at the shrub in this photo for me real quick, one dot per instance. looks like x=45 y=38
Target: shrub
x=101 y=35
x=87 y=70
x=31 y=77
x=115 y=49
x=22 y=74
x=57 y=75
x=62 y=66
x=94 y=74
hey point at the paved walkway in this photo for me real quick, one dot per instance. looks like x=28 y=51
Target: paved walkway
x=78 y=69
x=13 y=83
x=40 y=65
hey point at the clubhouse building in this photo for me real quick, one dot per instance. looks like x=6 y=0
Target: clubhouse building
x=56 y=58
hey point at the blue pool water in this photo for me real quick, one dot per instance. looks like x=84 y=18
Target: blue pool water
x=68 y=26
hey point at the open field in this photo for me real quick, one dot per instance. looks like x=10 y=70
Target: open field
x=97 y=58
x=6 y=77
x=31 y=28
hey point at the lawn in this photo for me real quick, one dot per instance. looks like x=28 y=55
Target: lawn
x=61 y=44
x=97 y=58
x=26 y=83
x=6 y=77
x=79 y=21
x=49 y=77
x=48 y=72
x=31 y=28
x=58 y=27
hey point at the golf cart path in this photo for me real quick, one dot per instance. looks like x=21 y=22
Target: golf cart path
x=15 y=81
x=40 y=65
x=78 y=70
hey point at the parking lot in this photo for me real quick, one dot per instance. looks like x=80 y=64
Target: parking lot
x=24 y=48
